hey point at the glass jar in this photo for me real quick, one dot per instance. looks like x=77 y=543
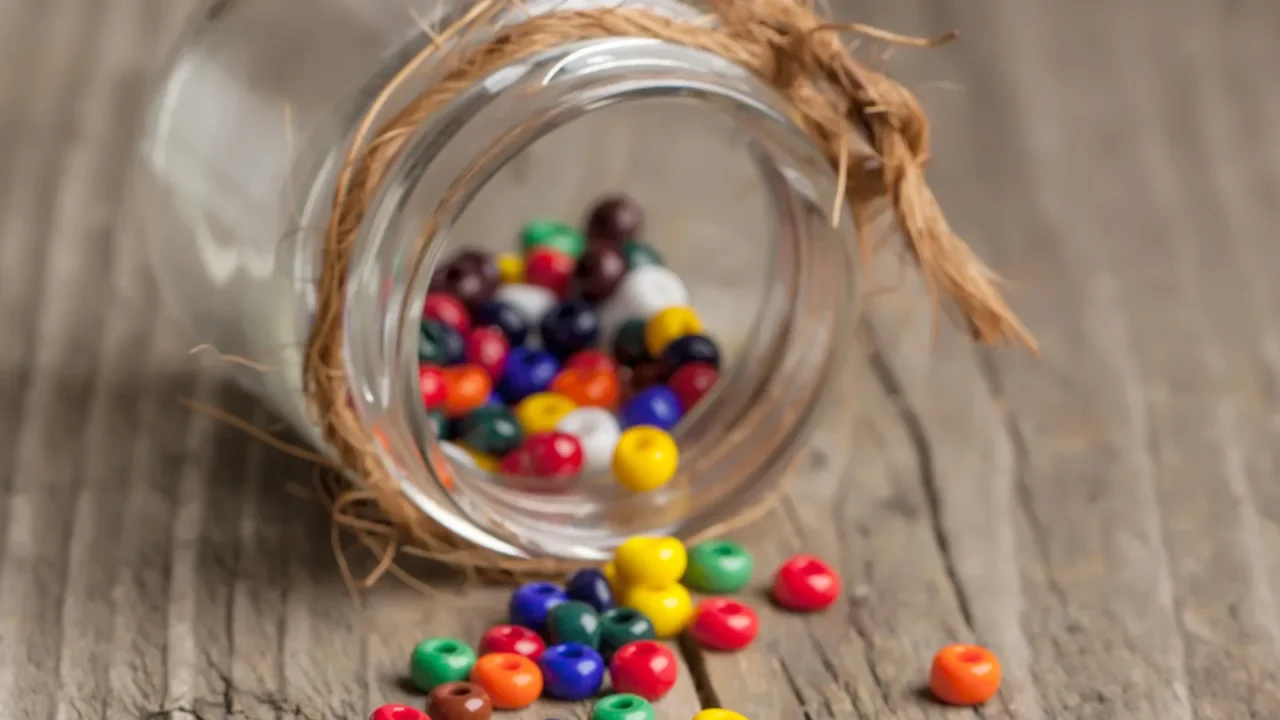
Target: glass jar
x=251 y=124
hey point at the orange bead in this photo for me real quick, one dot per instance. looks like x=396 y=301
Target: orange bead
x=595 y=387
x=512 y=681
x=964 y=675
x=466 y=387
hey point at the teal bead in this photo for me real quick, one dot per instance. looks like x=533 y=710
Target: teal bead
x=639 y=254
x=621 y=626
x=438 y=661
x=623 y=707
x=574 y=622
x=491 y=429
x=553 y=235
x=718 y=567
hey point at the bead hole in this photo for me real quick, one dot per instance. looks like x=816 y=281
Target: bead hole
x=448 y=647
x=730 y=608
x=624 y=615
x=625 y=703
x=546 y=589
x=725 y=550
x=644 y=649
x=573 y=653
x=403 y=712
x=971 y=657
x=459 y=691
x=510 y=664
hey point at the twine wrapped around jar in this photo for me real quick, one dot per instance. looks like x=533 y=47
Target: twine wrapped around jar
x=783 y=42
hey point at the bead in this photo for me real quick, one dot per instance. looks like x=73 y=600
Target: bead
x=623 y=707
x=645 y=291
x=488 y=347
x=531 y=301
x=610 y=572
x=718 y=567
x=669 y=608
x=516 y=463
x=528 y=371
x=622 y=626
x=723 y=624
x=440 y=425
x=574 y=622
x=647 y=374
x=431 y=386
x=668 y=325
x=638 y=255
x=505 y=316
x=805 y=584
x=398 y=712
x=718 y=714
x=512 y=681
x=531 y=602
x=597 y=431
x=540 y=412
x=645 y=459
x=599 y=271
x=459 y=701
x=447 y=309
x=656 y=406
x=471 y=276
x=491 y=429
x=616 y=218
x=554 y=454
x=550 y=269
x=964 y=675
x=512 y=639
x=691 y=382
x=589 y=586
x=628 y=343
x=568 y=327
x=438 y=661
x=466 y=387
x=552 y=235
x=645 y=668
x=510 y=268
x=691 y=349
x=571 y=671
x=588 y=388
x=439 y=344
x=651 y=561
x=592 y=360
x=484 y=461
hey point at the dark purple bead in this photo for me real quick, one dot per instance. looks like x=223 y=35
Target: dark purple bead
x=471 y=276
x=692 y=348
x=599 y=271
x=505 y=317
x=615 y=219
x=570 y=326
x=590 y=586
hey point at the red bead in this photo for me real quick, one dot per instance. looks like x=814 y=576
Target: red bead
x=550 y=269
x=645 y=668
x=723 y=624
x=447 y=309
x=398 y=712
x=517 y=463
x=431 y=386
x=806 y=584
x=554 y=454
x=512 y=639
x=488 y=347
x=691 y=381
x=591 y=360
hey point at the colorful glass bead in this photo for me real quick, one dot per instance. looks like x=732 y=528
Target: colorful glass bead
x=447 y=309
x=510 y=267
x=517 y=463
x=512 y=681
x=531 y=301
x=718 y=714
x=805 y=584
x=439 y=344
x=438 y=661
x=692 y=349
x=723 y=624
x=571 y=671
x=471 y=276
x=964 y=675
x=644 y=292
x=616 y=218
x=574 y=622
x=553 y=235
x=569 y=326
x=628 y=343
x=718 y=567
x=638 y=255
x=599 y=271
x=622 y=626
x=645 y=668
x=591 y=359
x=431 y=386
x=669 y=608
x=531 y=602
x=691 y=382
x=550 y=269
x=488 y=347
x=512 y=639
x=528 y=371
x=505 y=316
x=623 y=707
x=540 y=412
x=554 y=454
x=466 y=387
x=651 y=561
x=491 y=429
x=597 y=431
x=656 y=406
x=589 y=585
x=645 y=459
x=668 y=325
x=398 y=712
x=459 y=701
x=588 y=388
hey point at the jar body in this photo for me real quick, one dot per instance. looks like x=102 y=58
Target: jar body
x=250 y=129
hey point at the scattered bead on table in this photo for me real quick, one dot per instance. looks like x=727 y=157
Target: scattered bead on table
x=437 y=661
x=964 y=675
x=532 y=602
x=571 y=671
x=512 y=639
x=574 y=622
x=805 y=584
x=645 y=668
x=397 y=712
x=718 y=567
x=590 y=586
x=718 y=714
x=512 y=681
x=724 y=624
x=459 y=701
x=623 y=707
x=622 y=626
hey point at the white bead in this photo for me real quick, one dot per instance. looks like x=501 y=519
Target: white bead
x=643 y=293
x=531 y=301
x=597 y=430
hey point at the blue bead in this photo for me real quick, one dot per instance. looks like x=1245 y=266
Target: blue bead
x=692 y=348
x=505 y=317
x=531 y=602
x=571 y=671
x=528 y=371
x=438 y=343
x=657 y=406
x=495 y=398
x=570 y=326
x=590 y=586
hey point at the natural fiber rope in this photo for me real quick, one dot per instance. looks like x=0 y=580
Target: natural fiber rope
x=784 y=43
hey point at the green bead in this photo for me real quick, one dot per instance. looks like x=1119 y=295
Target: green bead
x=553 y=235
x=718 y=567
x=491 y=429
x=431 y=344
x=621 y=626
x=439 y=424
x=623 y=707
x=574 y=622
x=639 y=254
x=438 y=661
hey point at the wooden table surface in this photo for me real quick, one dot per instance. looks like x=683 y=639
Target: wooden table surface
x=1106 y=518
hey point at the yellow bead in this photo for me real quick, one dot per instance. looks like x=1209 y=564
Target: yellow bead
x=510 y=268
x=718 y=714
x=645 y=458
x=485 y=462
x=653 y=562
x=540 y=412
x=610 y=571
x=670 y=325
x=669 y=609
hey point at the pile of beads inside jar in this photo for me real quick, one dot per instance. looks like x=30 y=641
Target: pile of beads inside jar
x=575 y=358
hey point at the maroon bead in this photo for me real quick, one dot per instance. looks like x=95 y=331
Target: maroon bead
x=615 y=219
x=550 y=269
x=488 y=347
x=599 y=271
x=647 y=373
x=471 y=276
x=459 y=701
x=447 y=309
x=690 y=382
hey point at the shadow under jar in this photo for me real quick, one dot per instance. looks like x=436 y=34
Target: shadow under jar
x=251 y=125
